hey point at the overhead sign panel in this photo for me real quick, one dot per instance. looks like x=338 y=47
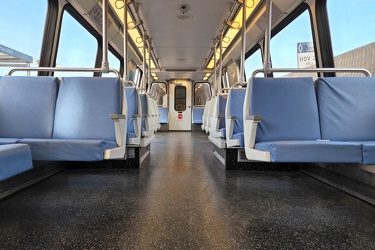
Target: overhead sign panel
x=305 y=54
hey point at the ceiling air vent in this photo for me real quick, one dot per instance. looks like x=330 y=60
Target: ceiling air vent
x=181 y=70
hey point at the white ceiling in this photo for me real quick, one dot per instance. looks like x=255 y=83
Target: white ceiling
x=183 y=44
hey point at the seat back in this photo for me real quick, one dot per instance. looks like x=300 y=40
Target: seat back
x=163 y=111
x=84 y=106
x=288 y=107
x=234 y=107
x=347 y=108
x=144 y=105
x=222 y=103
x=132 y=98
x=27 y=106
x=197 y=115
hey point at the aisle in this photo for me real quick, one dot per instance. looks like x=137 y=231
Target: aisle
x=183 y=200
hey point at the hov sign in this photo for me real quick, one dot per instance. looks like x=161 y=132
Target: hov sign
x=305 y=54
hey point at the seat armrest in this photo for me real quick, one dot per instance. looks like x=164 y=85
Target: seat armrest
x=250 y=130
x=255 y=118
x=117 y=116
x=120 y=123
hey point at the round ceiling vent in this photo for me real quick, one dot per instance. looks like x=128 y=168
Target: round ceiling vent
x=183 y=16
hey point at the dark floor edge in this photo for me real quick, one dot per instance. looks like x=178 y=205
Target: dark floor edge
x=29 y=183
x=340 y=187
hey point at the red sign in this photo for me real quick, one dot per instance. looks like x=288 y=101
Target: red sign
x=180 y=116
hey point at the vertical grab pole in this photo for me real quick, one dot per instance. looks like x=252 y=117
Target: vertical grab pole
x=215 y=83
x=149 y=66
x=125 y=40
x=144 y=62
x=105 y=65
x=221 y=60
x=242 y=67
x=267 y=38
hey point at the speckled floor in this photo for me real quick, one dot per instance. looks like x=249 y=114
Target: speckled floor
x=184 y=200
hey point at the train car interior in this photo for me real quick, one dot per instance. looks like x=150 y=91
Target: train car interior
x=187 y=124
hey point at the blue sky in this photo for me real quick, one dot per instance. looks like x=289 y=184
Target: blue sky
x=22 y=26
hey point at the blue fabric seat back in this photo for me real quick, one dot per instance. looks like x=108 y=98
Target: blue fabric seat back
x=237 y=98
x=222 y=105
x=84 y=106
x=163 y=112
x=144 y=105
x=27 y=106
x=197 y=115
x=347 y=108
x=132 y=101
x=288 y=106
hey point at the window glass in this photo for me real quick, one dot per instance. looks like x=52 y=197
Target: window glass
x=75 y=51
x=137 y=77
x=253 y=63
x=21 y=35
x=293 y=46
x=159 y=93
x=201 y=93
x=114 y=63
x=352 y=27
x=180 y=98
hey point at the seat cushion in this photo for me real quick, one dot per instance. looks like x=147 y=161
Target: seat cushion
x=368 y=152
x=27 y=106
x=240 y=137
x=14 y=159
x=129 y=136
x=8 y=140
x=68 y=149
x=312 y=151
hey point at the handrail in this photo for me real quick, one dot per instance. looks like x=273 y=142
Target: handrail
x=130 y=83
x=308 y=70
x=242 y=84
x=49 y=69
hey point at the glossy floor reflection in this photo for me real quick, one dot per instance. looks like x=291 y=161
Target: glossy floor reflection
x=183 y=199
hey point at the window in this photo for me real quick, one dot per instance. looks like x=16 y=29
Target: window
x=201 y=93
x=293 y=46
x=254 y=62
x=180 y=98
x=114 y=63
x=21 y=34
x=352 y=27
x=138 y=77
x=159 y=93
x=77 y=51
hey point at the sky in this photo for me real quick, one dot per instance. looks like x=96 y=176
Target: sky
x=22 y=25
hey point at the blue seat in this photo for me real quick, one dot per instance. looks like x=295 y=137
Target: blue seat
x=134 y=116
x=217 y=126
x=14 y=159
x=163 y=111
x=83 y=130
x=147 y=119
x=197 y=113
x=234 y=117
x=346 y=109
x=289 y=130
